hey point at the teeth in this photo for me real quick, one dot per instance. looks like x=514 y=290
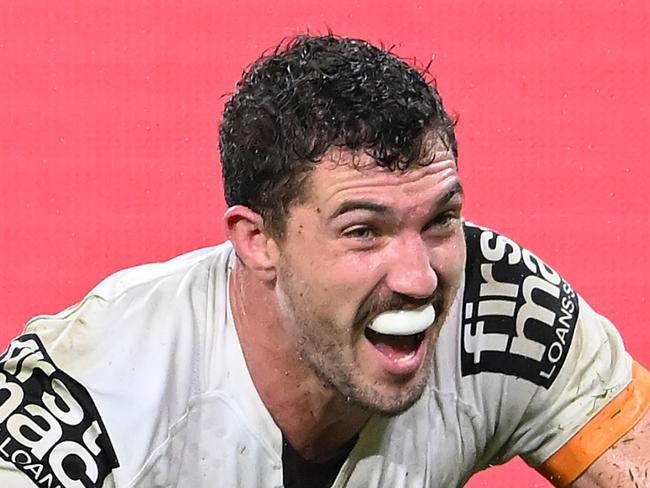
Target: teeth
x=410 y=355
x=404 y=322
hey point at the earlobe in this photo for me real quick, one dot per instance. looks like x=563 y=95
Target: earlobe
x=256 y=249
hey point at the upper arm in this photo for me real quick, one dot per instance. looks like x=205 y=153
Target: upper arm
x=626 y=463
x=613 y=448
x=51 y=433
x=570 y=390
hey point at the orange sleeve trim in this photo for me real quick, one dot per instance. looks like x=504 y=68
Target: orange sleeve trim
x=615 y=420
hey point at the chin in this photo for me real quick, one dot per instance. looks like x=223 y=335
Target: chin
x=391 y=406
x=391 y=399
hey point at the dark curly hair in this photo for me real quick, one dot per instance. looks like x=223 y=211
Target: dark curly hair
x=313 y=93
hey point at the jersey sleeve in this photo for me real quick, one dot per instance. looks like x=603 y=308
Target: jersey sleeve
x=558 y=385
x=606 y=428
x=92 y=395
x=51 y=433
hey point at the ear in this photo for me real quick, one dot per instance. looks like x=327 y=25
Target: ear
x=257 y=250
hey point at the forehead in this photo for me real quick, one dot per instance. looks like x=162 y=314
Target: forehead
x=342 y=174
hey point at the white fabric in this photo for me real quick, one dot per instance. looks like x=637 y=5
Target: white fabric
x=157 y=350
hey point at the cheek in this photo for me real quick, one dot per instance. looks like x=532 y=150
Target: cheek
x=449 y=260
x=342 y=285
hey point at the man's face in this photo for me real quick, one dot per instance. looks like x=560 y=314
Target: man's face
x=365 y=241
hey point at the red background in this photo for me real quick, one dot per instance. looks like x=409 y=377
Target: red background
x=108 y=140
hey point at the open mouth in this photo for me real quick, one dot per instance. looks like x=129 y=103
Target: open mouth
x=398 y=337
x=397 y=348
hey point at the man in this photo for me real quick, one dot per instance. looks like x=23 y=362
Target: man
x=353 y=332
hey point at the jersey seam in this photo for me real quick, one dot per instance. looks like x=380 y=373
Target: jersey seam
x=67 y=313
x=468 y=407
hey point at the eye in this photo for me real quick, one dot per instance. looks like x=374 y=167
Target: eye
x=443 y=220
x=360 y=233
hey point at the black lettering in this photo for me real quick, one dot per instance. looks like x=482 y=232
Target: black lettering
x=20 y=457
x=35 y=468
x=11 y=396
x=555 y=352
x=525 y=313
x=49 y=479
x=52 y=430
x=3 y=447
x=548 y=374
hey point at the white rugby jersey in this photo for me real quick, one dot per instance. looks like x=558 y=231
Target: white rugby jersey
x=144 y=384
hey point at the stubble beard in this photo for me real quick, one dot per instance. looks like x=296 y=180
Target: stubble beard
x=326 y=361
x=318 y=347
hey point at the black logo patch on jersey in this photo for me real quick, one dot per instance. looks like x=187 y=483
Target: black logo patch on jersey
x=49 y=426
x=519 y=315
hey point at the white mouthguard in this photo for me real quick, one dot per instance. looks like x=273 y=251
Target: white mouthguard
x=404 y=322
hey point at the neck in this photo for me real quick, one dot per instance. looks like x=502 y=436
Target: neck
x=314 y=417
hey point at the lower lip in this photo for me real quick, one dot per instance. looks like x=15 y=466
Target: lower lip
x=401 y=366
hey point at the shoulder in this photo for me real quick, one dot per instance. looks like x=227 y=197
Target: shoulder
x=534 y=357
x=111 y=375
x=138 y=324
x=139 y=305
x=183 y=270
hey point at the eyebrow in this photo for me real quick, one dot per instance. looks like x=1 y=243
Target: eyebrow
x=455 y=189
x=352 y=205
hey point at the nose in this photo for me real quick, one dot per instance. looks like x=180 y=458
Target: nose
x=410 y=271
